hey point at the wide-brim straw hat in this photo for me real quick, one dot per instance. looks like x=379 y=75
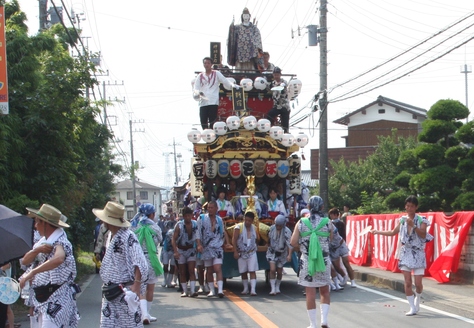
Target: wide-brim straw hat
x=113 y=214
x=48 y=214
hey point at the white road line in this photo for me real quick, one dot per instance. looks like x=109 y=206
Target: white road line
x=429 y=308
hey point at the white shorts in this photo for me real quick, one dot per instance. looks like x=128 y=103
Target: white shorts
x=249 y=264
x=183 y=259
x=211 y=262
x=416 y=272
x=167 y=258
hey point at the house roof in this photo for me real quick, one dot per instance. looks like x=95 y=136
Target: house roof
x=306 y=178
x=127 y=185
x=384 y=100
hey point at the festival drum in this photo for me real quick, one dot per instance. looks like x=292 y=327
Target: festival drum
x=273 y=214
x=259 y=108
x=222 y=214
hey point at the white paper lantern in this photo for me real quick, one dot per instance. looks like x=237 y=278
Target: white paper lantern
x=294 y=88
x=194 y=136
x=250 y=122
x=264 y=125
x=208 y=135
x=287 y=139
x=232 y=82
x=233 y=122
x=223 y=166
x=247 y=84
x=276 y=132
x=211 y=168
x=271 y=169
x=260 y=83
x=220 y=128
x=259 y=168
x=235 y=168
x=283 y=167
x=302 y=139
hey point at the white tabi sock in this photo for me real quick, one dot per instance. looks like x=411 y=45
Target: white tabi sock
x=185 y=287
x=312 y=318
x=33 y=322
x=192 y=285
x=220 y=286
x=165 y=279
x=253 y=284
x=272 y=284
x=144 y=308
x=245 y=282
x=324 y=313
x=211 y=287
x=148 y=307
x=417 y=301
x=411 y=301
x=277 y=286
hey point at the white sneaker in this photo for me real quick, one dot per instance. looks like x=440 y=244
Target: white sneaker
x=152 y=319
x=200 y=290
x=353 y=284
x=333 y=287
x=211 y=294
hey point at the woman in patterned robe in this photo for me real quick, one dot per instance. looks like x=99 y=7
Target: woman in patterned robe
x=312 y=235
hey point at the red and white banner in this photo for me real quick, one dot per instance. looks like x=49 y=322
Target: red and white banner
x=442 y=254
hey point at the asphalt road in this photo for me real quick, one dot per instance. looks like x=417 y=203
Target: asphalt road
x=366 y=306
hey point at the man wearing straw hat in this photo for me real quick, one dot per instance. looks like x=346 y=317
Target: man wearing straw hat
x=124 y=266
x=52 y=278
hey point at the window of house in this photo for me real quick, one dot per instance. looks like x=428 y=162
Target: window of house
x=381 y=111
x=143 y=194
x=129 y=195
x=129 y=215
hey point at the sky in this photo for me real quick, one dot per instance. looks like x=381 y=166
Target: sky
x=412 y=51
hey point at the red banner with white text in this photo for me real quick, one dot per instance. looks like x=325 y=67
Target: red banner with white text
x=442 y=254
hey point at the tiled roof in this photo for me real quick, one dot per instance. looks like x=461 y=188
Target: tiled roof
x=127 y=185
x=397 y=104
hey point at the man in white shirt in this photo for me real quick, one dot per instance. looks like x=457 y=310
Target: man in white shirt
x=206 y=91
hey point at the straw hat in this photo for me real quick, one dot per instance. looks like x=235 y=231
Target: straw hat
x=48 y=214
x=112 y=214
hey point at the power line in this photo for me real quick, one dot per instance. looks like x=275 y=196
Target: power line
x=407 y=73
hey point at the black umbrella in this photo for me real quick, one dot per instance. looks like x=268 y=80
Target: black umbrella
x=16 y=235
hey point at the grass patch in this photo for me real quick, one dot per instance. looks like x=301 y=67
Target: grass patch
x=85 y=265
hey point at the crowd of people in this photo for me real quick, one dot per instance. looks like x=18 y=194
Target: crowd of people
x=193 y=250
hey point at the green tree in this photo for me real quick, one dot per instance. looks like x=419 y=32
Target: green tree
x=439 y=181
x=52 y=148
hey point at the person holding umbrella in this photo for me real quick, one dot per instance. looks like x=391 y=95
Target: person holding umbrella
x=51 y=280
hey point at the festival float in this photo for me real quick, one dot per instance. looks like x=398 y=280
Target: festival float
x=243 y=145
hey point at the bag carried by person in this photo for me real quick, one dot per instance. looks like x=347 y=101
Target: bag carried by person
x=111 y=291
x=42 y=293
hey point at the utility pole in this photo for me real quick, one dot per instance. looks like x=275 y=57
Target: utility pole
x=465 y=70
x=323 y=105
x=132 y=169
x=43 y=14
x=176 y=162
x=105 y=99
